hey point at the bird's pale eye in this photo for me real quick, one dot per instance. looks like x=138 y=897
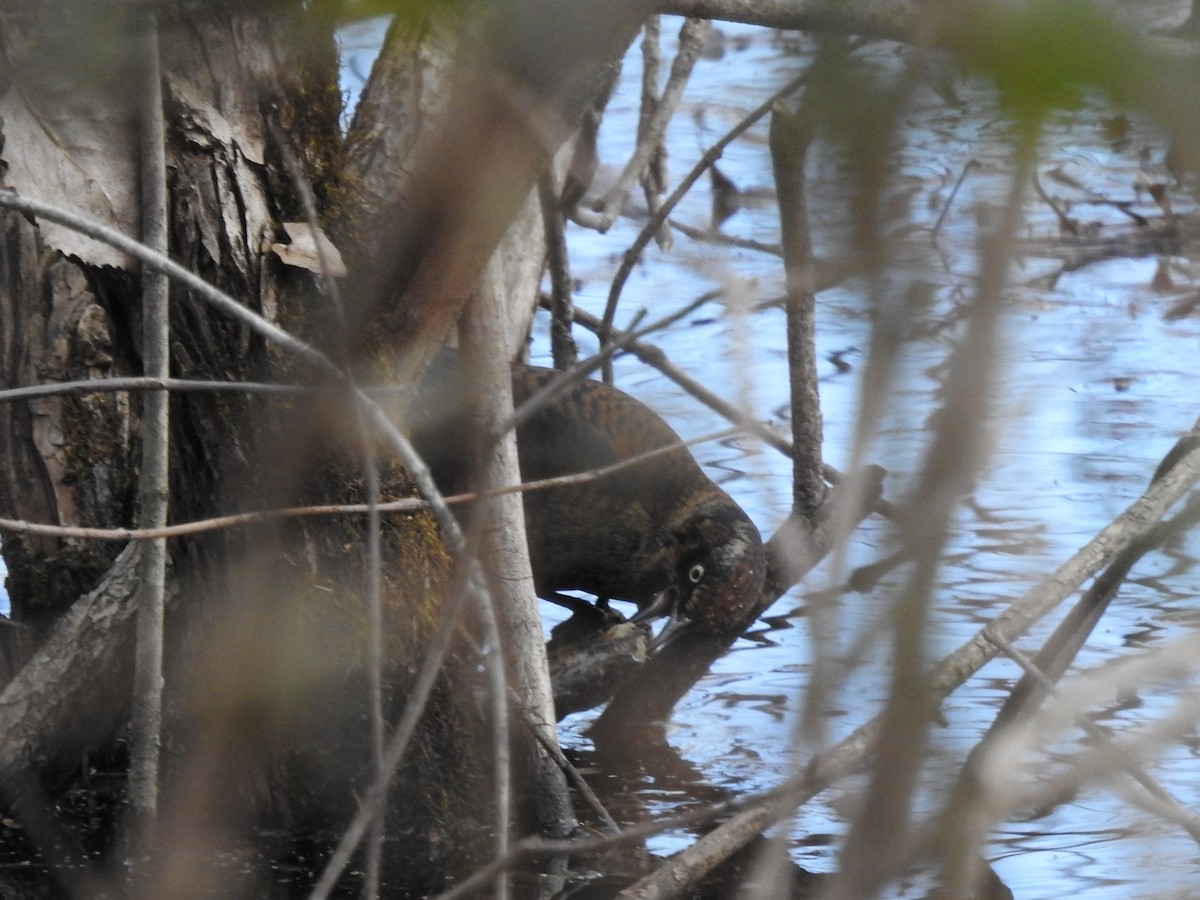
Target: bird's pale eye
x=695 y=573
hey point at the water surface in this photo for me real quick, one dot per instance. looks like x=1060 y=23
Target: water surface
x=1094 y=385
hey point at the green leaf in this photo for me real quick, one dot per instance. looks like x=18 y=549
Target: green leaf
x=1045 y=54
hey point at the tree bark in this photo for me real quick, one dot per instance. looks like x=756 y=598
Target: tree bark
x=504 y=549
x=542 y=66
x=71 y=310
x=61 y=702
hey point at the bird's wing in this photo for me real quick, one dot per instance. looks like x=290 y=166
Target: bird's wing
x=589 y=426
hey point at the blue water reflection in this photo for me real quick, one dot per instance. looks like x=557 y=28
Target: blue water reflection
x=1094 y=385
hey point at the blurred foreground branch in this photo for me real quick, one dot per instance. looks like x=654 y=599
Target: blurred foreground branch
x=854 y=752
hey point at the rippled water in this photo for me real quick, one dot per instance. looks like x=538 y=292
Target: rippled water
x=1096 y=382
x=1095 y=385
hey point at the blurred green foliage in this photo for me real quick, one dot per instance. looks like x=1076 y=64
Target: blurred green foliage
x=1045 y=54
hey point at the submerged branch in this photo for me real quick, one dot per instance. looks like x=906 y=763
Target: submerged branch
x=1166 y=806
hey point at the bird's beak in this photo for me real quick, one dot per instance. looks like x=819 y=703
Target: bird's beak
x=662 y=605
x=676 y=624
x=665 y=604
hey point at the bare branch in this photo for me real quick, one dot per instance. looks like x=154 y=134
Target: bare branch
x=403 y=505
x=1166 y=805
x=371 y=472
x=70 y=655
x=654 y=174
x=564 y=383
x=893 y=19
x=853 y=752
x=558 y=265
x=154 y=487
x=145 y=383
x=964 y=821
x=650 y=134
x=633 y=254
x=653 y=356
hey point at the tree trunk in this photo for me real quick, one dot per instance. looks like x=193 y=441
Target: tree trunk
x=266 y=689
x=244 y=691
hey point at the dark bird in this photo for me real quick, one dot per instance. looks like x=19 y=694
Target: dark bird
x=658 y=532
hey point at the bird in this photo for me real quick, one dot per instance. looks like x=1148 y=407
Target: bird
x=658 y=533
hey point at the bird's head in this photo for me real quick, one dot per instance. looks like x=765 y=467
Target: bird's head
x=718 y=565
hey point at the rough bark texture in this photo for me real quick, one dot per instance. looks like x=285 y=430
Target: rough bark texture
x=507 y=114
x=65 y=460
x=72 y=460
x=266 y=684
x=271 y=674
x=66 y=135
x=57 y=695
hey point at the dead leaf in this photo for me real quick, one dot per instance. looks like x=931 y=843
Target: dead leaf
x=302 y=252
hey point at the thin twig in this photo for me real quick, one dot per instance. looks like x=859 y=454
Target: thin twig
x=1065 y=223
x=708 y=236
x=654 y=175
x=154 y=486
x=1173 y=661
x=375 y=643
x=145 y=383
x=573 y=774
x=1169 y=808
x=576 y=778
x=653 y=356
x=558 y=266
x=962 y=176
x=402 y=505
x=501 y=754
x=633 y=254
x=692 y=35
x=567 y=380
x=371 y=470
